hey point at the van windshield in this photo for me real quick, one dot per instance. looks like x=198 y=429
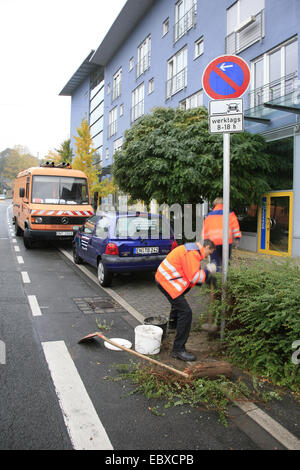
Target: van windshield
x=59 y=190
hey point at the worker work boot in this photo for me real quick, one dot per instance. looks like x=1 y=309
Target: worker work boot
x=184 y=356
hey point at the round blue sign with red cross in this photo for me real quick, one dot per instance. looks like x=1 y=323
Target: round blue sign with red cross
x=227 y=76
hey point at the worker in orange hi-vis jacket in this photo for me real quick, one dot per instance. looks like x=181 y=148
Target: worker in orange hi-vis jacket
x=213 y=229
x=175 y=276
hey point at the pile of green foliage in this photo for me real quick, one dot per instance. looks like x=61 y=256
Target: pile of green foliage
x=167 y=390
x=263 y=319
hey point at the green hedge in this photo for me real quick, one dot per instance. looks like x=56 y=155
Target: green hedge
x=263 y=319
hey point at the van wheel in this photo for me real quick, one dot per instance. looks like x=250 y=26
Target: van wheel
x=18 y=231
x=27 y=239
x=104 y=276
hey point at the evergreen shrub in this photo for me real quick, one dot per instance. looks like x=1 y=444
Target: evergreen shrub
x=263 y=319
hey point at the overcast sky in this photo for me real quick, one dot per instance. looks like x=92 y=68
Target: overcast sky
x=42 y=43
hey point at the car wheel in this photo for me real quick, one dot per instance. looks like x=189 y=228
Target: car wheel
x=76 y=258
x=104 y=276
x=27 y=239
x=18 y=231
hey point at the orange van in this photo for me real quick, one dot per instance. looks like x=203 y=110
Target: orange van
x=50 y=203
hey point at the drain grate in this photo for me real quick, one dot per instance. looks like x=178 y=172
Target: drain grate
x=99 y=305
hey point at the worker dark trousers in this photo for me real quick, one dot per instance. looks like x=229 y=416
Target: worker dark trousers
x=216 y=256
x=182 y=314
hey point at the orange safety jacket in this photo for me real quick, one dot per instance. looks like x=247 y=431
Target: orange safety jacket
x=213 y=226
x=181 y=269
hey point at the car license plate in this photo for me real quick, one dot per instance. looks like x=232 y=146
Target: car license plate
x=146 y=250
x=64 y=234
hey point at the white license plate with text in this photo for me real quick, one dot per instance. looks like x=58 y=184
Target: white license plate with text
x=146 y=250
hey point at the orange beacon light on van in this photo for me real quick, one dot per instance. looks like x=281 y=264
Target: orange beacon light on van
x=50 y=202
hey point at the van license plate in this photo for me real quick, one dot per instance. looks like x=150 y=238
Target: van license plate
x=64 y=234
x=146 y=250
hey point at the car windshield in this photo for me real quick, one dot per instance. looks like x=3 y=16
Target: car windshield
x=59 y=190
x=142 y=226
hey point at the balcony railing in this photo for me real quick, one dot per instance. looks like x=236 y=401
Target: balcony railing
x=143 y=64
x=240 y=40
x=185 y=23
x=137 y=111
x=176 y=83
x=276 y=89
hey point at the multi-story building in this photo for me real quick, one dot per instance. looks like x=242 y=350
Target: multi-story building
x=154 y=55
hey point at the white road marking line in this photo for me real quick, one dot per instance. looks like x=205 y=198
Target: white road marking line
x=266 y=422
x=35 y=309
x=83 y=424
x=281 y=434
x=20 y=259
x=14 y=240
x=17 y=248
x=25 y=277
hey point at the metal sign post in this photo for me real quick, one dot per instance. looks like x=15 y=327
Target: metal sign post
x=226 y=199
x=225 y=80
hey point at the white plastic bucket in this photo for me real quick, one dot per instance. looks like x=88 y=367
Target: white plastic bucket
x=148 y=339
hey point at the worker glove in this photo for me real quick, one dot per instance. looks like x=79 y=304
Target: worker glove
x=211 y=268
x=236 y=242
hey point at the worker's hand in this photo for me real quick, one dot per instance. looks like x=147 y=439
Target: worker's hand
x=236 y=242
x=211 y=268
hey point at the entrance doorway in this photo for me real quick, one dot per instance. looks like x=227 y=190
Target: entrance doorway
x=275 y=223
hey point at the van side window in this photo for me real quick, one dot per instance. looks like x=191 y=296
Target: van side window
x=27 y=187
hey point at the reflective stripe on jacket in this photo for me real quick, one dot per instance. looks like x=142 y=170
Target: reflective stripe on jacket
x=181 y=269
x=213 y=226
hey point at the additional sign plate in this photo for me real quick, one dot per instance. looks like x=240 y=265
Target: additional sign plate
x=226 y=116
x=227 y=76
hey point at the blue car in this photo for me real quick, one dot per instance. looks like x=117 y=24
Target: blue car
x=115 y=242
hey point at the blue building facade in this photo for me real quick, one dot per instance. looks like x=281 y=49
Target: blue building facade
x=155 y=54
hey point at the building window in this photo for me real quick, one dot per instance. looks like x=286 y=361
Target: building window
x=151 y=86
x=112 y=122
x=106 y=153
x=185 y=17
x=177 y=73
x=199 y=47
x=137 y=100
x=144 y=53
x=193 y=101
x=121 y=109
x=131 y=64
x=108 y=89
x=116 y=89
x=165 y=28
x=275 y=74
x=117 y=145
x=245 y=25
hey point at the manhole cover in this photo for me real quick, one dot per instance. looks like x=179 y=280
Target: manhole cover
x=90 y=305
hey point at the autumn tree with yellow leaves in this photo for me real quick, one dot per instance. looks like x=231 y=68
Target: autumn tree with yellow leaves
x=85 y=161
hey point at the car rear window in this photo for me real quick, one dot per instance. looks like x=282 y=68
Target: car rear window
x=135 y=227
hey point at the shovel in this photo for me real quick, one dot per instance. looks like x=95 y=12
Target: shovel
x=135 y=353
x=210 y=369
x=209 y=327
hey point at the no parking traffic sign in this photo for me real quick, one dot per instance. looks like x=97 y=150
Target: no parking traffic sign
x=227 y=76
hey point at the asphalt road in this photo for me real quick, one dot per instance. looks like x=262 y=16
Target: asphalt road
x=57 y=394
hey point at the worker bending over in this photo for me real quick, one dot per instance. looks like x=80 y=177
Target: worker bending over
x=213 y=229
x=175 y=276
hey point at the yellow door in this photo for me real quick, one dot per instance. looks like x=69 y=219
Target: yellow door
x=275 y=223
